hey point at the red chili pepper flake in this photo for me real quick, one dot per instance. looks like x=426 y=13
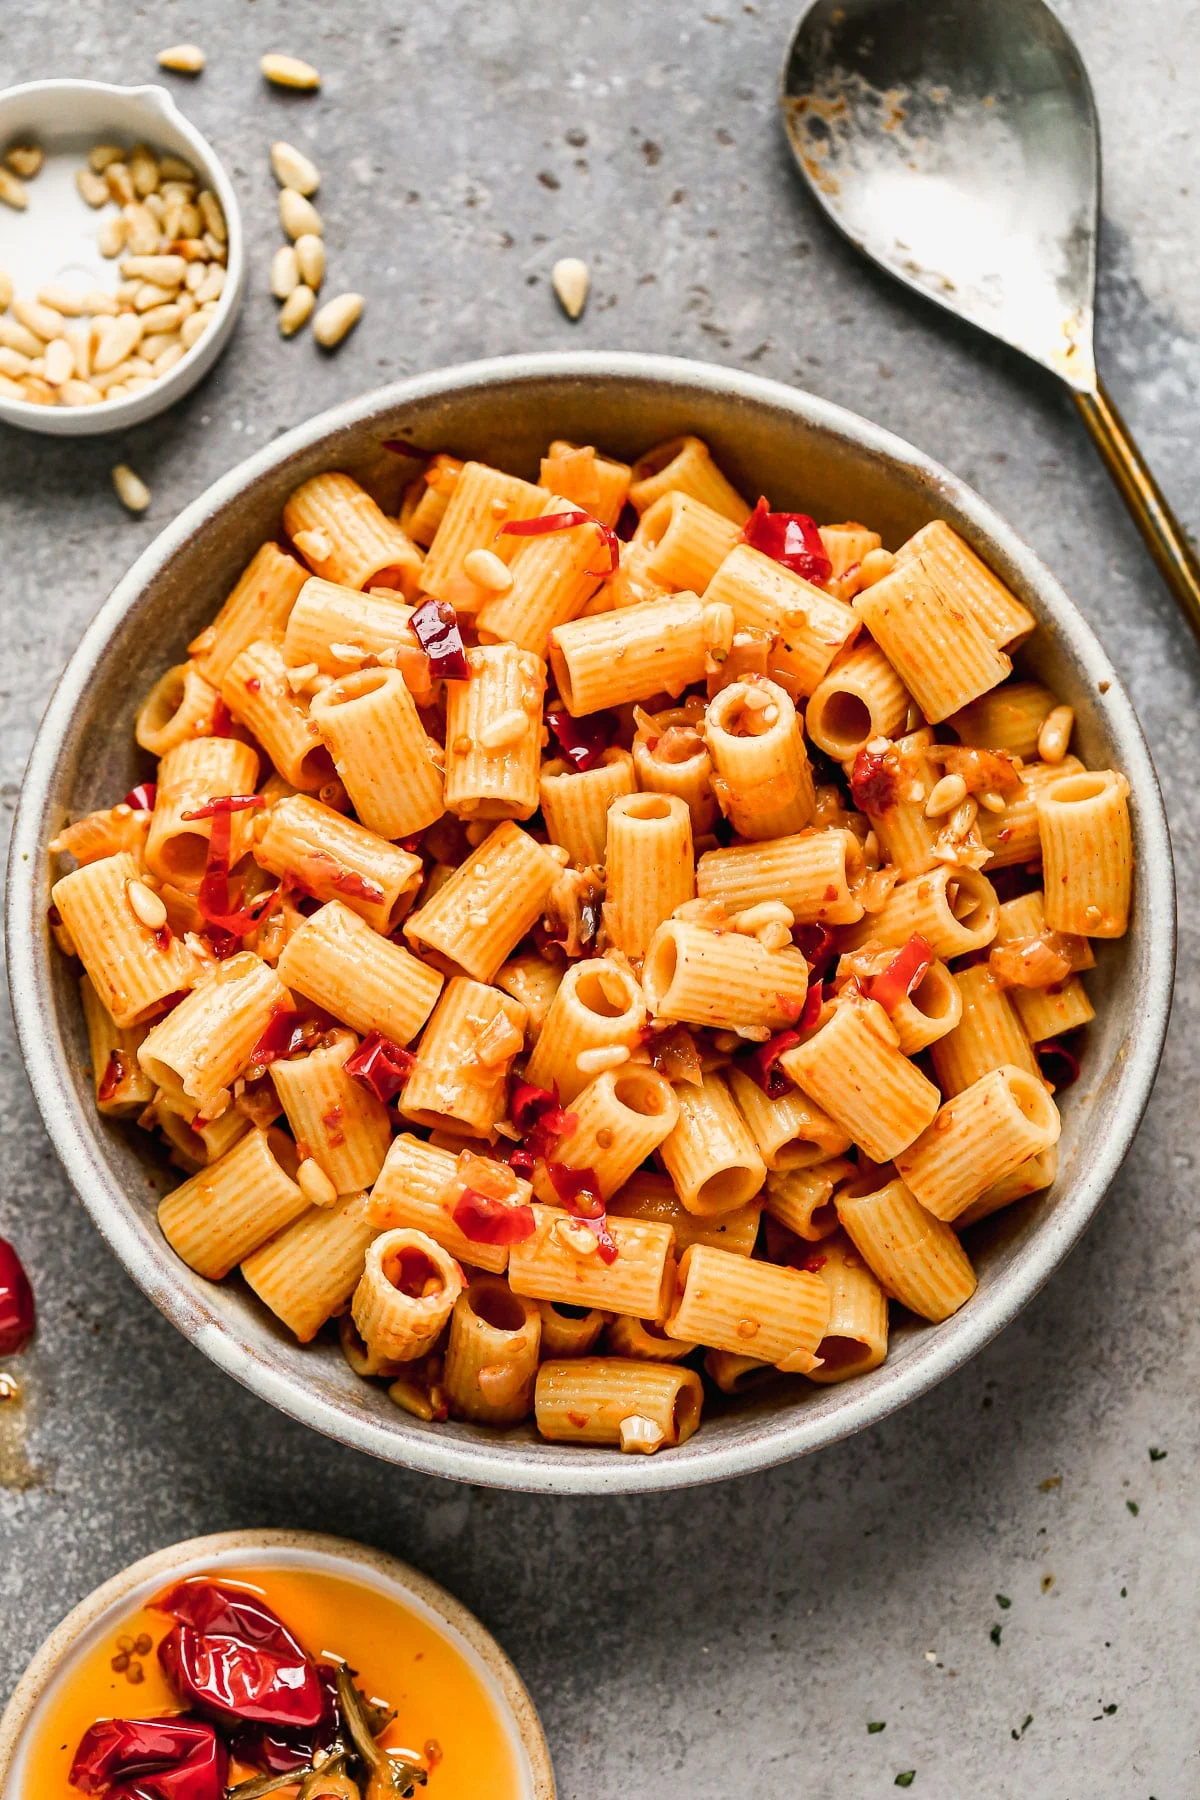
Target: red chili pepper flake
x=142 y=797
x=285 y=1033
x=788 y=538
x=582 y=741
x=380 y=1066
x=435 y=623
x=1058 y=1064
x=223 y=725
x=874 y=785
x=356 y=886
x=487 y=1220
x=150 y=1759
x=231 y=1655
x=539 y=1117
x=411 y=844
x=762 y=1064
x=216 y=906
x=905 y=971
x=115 y=1071
x=18 y=1315
x=579 y=1191
x=566 y=521
x=163 y=938
x=814 y=1000
x=814 y=1262
x=224 y=804
x=815 y=944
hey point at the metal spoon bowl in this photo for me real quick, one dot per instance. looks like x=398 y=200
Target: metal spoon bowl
x=956 y=144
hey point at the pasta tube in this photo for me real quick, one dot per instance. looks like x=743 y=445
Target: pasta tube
x=603 y=1400
x=307 y=1273
x=492 y=1354
x=722 y=979
x=390 y=766
x=344 y=537
x=557 y=1263
x=224 y=1212
x=709 y=1153
x=365 y=980
x=915 y=1258
x=1087 y=853
x=733 y=1303
x=853 y=1068
x=650 y=867
x=763 y=782
x=492 y=899
x=597 y=1008
x=979 y=1137
x=405 y=1294
x=856 y=1335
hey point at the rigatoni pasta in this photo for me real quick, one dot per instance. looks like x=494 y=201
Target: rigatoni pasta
x=536 y=946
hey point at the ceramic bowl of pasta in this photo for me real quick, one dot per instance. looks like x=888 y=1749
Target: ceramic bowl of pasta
x=625 y=915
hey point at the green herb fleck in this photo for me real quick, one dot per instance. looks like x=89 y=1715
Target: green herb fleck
x=1157 y=1455
x=1133 y=1507
x=877 y=1725
x=906 y=1778
x=1004 y=1601
x=1124 y=1593
x=1026 y=1722
x=1110 y=1710
x=994 y=1634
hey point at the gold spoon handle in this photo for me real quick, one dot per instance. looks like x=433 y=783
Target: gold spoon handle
x=1164 y=536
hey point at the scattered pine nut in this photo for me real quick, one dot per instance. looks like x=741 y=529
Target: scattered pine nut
x=289 y=72
x=131 y=490
x=79 y=393
x=314 y=1183
x=60 y=362
x=119 y=183
x=193 y=330
x=315 y=546
x=1055 y=734
x=12 y=191
x=296 y=310
x=571 y=279
x=310 y=254
x=173 y=168
x=25 y=160
x=62 y=300
x=92 y=187
x=210 y=212
x=182 y=59
x=487 y=570
x=638 y=1434
x=285 y=272
x=143 y=170
x=100 y=155
x=293 y=169
x=147 y=905
x=298 y=216
x=946 y=794
x=336 y=318
x=44 y=320
x=15 y=336
x=110 y=239
x=6 y=290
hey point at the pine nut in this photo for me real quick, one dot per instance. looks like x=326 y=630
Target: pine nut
x=191 y=225
x=210 y=212
x=336 y=318
x=173 y=168
x=147 y=905
x=165 y=362
x=38 y=392
x=117 y=391
x=765 y=912
x=12 y=191
x=571 y=280
x=110 y=239
x=164 y=271
x=297 y=215
x=127 y=292
x=963 y=817
x=15 y=336
x=100 y=155
x=119 y=183
x=45 y=321
x=156 y=206
x=1055 y=734
x=6 y=290
x=193 y=330
x=78 y=393
x=213 y=285
x=947 y=793
x=639 y=1434
x=162 y=318
x=12 y=362
x=132 y=491
x=314 y=546
x=315 y=1184
x=143 y=170
x=141 y=228
x=62 y=300
x=293 y=169
x=152 y=347
x=92 y=187
x=121 y=336
x=136 y=383
x=487 y=570
x=289 y=72
x=218 y=251
x=508 y=729
x=25 y=160
x=195 y=275
x=149 y=295
x=285 y=272
x=12 y=388
x=310 y=254
x=182 y=59
x=993 y=803
x=604 y=1056
x=96 y=301
x=60 y=362
x=296 y=310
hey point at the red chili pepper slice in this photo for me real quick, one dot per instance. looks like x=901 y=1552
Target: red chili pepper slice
x=380 y=1066
x=762 y=1063
x=539 y=1117
x=487 y=1220
x=1058 y=1064
x=142 y=797
x=231 y=1655
x=150 y=1759
x=213 y=900
x=582 y=741
x=579 y=1191
x=566 y=521
x=788 y=538
x=815 y=944
x=435 y=623
x=810 y=1012
x=221 y=805
x=18 y=1316
x=287 y=1031
x=906 y=969
x=874 y=785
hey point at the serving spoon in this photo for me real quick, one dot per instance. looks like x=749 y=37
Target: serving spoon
x=956 y=143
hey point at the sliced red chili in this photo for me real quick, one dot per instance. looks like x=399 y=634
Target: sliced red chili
x=579 y=1191
x=566 y=521
x=18 y=1315
x=222 y=725
x=231 y=1655
x=214 y=902
x=874 y=785
x=115 y=1071
x=539 y=1118
x=285 y=1033
x=487 y=1220
x=905 y=971
x=815 y=944
x=582 y=741
x=1058 y=1063
x=380 y=1066
x=435 y=623
x=221 y=805
x=762 y=1063
x=810 y=1012
x=150 y=1759
x=789 y=538
x=142 y=797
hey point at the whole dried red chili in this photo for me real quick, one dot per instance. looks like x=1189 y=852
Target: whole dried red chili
x=380 y=1066
x=905 y=971
x=788 y=538
x=487 y=1220
x=231 y=1655
x=566 y=521
x=582 y=741
x=435 y=623
x=276 y=1750
x=18 y=1315
x=150 y=1759
x=142 y=797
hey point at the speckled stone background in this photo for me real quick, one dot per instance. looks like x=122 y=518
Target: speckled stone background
x=734 y=1640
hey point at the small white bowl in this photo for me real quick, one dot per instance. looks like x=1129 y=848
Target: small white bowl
x=54 y=240
x=103 y=1612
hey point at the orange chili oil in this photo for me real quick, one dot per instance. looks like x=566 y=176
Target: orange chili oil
x=445 y=1716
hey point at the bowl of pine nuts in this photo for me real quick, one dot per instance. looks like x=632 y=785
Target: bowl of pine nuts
x=122 y=264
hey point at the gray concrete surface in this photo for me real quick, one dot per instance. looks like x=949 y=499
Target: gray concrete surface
x=733 y=1640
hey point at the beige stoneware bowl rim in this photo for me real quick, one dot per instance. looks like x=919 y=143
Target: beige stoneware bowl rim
x=161 y=1563
x=156 y=104
x=777 y=1436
